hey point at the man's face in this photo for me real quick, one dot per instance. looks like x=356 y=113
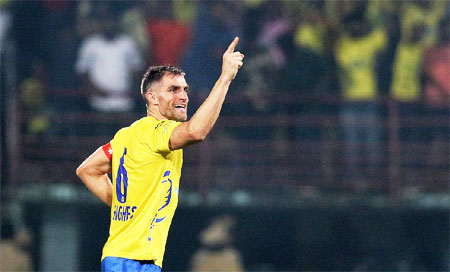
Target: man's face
x=171 y=96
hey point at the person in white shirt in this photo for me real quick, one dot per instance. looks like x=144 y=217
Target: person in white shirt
x=107 y=62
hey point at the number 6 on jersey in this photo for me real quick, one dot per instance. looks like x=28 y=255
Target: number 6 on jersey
x=122 y=178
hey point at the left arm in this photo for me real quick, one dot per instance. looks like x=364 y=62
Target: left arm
x=94 y=174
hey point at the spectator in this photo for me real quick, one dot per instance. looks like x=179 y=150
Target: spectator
x=89 y=12
x=217 y=252
x=436 y=87
x=310 y=75
x=33 y=101
x=212 y=29
x=86 y=24
x=356 y=56
x=108 y=62
x=276 y=23
x=380 y=12
x=311 y=30
x=422 y=12
x=408 y=59
x=184 y=11
x=436 y=70
x=133 y=22
x=169 y=38
x=406 y=92
x=310 y=69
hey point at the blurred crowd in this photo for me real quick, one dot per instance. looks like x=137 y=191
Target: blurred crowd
x=360 y=50
x=342 y=60
x=89 y=56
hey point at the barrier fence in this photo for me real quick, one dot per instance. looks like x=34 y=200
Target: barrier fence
x=296 y=144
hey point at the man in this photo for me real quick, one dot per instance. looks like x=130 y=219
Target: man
x=145 y=160
x=108 y=62
x=359 y=111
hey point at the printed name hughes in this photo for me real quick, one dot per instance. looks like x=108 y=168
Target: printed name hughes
x=123 y=213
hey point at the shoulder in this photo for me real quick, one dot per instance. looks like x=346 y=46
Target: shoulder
x=378 y=36
x=161 y=126
x=148 y=124
x=125 y=40
x=93 y=39
x=92 y=43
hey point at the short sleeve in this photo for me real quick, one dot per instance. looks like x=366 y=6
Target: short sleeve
x=108 y=150
x=133 y=57
x=84 y=58
x=160 y=135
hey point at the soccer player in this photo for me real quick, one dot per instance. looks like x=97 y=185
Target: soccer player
x=145 y=160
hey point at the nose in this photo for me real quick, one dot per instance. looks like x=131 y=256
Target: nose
x=184 y=96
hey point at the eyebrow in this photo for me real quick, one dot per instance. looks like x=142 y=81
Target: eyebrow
x=178 y=87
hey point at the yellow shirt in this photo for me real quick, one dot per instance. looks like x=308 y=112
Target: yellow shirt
x=310 y=35
x=145 y=176
x=412 y=14
x=406 y=79
x=356 y=59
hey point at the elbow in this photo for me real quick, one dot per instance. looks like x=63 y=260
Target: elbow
x=189 y=134
x=197 y=135
x=81 y=170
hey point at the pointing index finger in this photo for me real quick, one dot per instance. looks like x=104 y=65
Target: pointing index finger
x=233 y=45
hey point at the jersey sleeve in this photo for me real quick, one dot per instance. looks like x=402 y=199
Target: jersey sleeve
x=133 y=57
x=85 y=57
x=160 y=134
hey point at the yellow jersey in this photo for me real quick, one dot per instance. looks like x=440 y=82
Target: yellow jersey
x=145 y=177
x=407 y=67
x=356 y=58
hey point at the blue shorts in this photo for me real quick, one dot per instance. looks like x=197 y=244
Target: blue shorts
x=116 y=264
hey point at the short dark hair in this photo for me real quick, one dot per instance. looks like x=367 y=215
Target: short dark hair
x=154 y=74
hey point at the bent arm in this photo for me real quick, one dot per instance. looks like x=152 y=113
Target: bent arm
x=94 y=174
x=201 y=123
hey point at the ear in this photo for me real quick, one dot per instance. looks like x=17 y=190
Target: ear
x=151 y=98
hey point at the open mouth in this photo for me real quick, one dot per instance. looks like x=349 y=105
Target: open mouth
x=180 y=106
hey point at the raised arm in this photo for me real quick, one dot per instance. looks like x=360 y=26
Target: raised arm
x=94 y=174
x=201 y=123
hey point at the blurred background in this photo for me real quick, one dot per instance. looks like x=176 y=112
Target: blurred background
x=331 y=152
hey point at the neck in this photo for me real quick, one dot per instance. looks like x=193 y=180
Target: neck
x=155 y=114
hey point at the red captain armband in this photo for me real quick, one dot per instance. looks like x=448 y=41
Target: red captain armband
x=108 y=150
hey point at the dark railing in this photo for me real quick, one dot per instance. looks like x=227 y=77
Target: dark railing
x=258 y=151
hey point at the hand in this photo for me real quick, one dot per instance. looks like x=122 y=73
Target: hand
x=232 y=61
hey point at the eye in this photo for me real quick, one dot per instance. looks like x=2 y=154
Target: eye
x=186 y=90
